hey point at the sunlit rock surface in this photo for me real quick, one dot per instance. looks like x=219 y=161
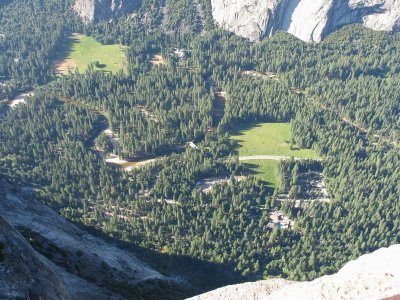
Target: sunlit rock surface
x=309 y=20
x=94 y=10
x=371 y=276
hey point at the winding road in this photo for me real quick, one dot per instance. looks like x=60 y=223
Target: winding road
x=265 y=157
x=272 y=157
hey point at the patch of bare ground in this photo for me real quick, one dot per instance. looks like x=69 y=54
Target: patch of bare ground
x=221 y=94
x=219 y=107
x=158 y=59
x=128 y=165
x=148 y=114
x=268 y=75
x=113 y=138
x=64 y=66
x=206 y=185
x=19 y=99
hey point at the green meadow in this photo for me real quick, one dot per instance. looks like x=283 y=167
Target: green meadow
x=79 y=51
x=267 y=139
x=263 y=169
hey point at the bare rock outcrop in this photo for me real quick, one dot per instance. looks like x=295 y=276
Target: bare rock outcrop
x=388 y=20
x=245 y=291
x=96 y=10
x=309 y=20
x=66 y=262
x=94 y=255
x=371 y=276
x=24 y=273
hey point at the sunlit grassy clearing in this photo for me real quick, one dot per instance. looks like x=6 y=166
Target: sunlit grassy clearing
x=78 y=51
x=269 y=139
x=264 y=170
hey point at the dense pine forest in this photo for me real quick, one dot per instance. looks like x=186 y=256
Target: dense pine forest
x=341 y=97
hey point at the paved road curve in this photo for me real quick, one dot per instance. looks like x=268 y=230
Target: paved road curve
x=271 y=157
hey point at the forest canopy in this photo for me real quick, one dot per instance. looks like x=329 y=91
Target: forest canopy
x=341 y=98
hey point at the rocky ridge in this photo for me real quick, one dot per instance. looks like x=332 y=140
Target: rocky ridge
x=371 y=276
x=309 y=20
x=19 y=266
x=66 y=262
x=245 y=291
x=25 y=274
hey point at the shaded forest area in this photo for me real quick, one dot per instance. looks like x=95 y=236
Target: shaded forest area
x=158 y=207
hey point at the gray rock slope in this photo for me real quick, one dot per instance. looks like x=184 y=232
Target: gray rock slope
x=25 y=274
x=245 y=291
x=371 y=276
x=95 y=10
x=76 y=256
x=309 y=20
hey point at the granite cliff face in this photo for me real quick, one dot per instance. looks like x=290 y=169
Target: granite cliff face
x=65 y=262
x=309 y=20
x=24 y=273
x=371 y=276
x=95 y=10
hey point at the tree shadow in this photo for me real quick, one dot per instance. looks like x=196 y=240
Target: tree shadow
x=63 y=51
x=241 y=127
x=251 y=169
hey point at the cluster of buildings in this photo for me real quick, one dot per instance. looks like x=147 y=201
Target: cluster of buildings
x=278 y=219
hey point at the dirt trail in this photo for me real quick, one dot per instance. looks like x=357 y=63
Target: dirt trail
x=128 y=165
x=158 y=59
x=316 y=102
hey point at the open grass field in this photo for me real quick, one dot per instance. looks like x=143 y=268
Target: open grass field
x=268 y=139
x=78 y=51
x=264 y=170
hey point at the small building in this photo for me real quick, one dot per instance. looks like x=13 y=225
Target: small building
x=277 y=218
x=193 y=145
